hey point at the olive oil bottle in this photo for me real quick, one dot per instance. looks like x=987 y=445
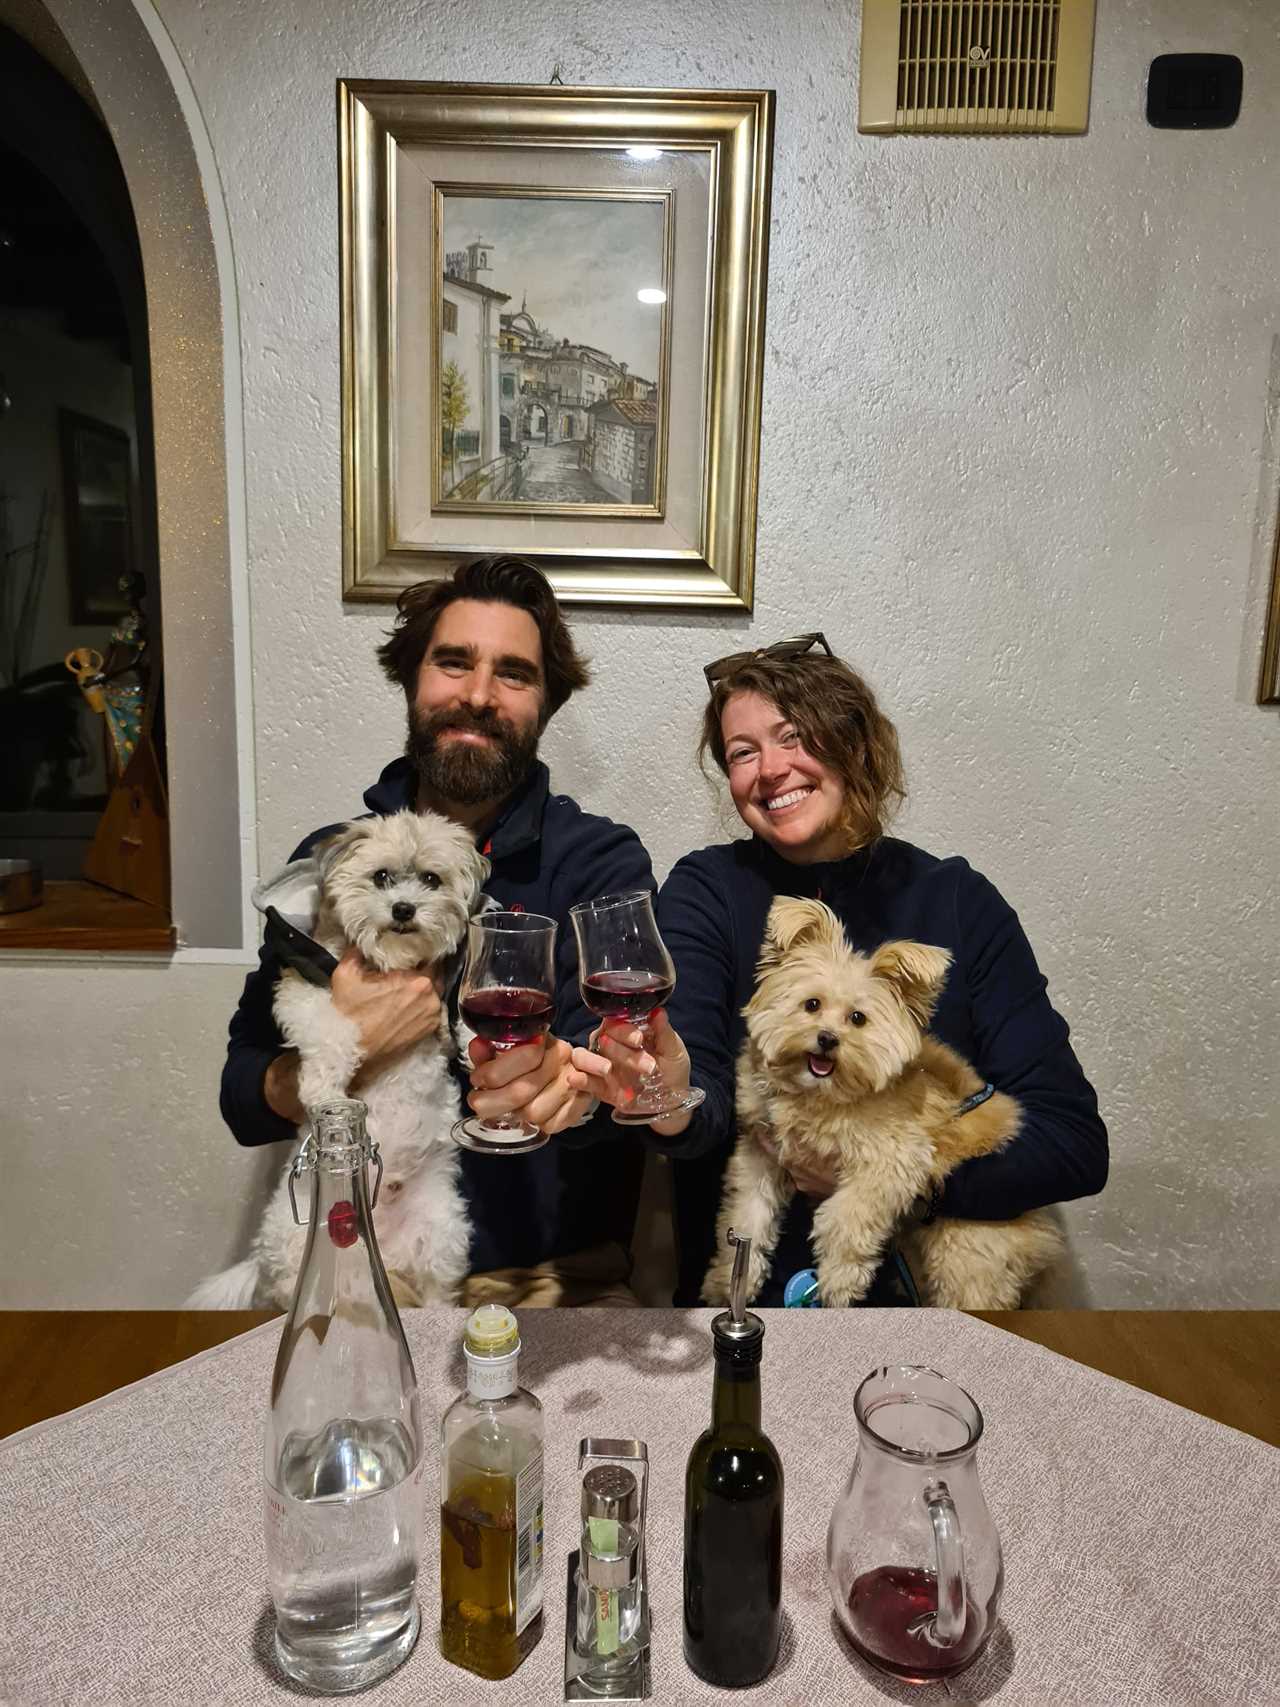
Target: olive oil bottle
x=491 y=1506
x=733 y=1512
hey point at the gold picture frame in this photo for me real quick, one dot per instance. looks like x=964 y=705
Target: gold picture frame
x=642 y=490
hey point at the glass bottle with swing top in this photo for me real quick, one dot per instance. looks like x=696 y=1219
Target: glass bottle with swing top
x=343 y=1452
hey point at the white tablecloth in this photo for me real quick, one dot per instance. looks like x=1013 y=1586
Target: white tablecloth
x=1140 y=1539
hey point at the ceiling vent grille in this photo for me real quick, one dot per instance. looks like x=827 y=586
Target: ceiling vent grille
x=990 y=67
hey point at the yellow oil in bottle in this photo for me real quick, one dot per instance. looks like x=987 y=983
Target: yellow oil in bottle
x=491 y=1506
x=479 y=1561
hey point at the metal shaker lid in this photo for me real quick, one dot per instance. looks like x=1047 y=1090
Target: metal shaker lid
x=610 y=1491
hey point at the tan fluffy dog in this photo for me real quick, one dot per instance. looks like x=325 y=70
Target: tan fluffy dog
x=839 y=1069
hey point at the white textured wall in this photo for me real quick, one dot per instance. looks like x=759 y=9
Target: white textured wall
x=1015 y=437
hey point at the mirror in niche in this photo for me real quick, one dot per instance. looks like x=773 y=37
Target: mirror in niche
x=77 y=496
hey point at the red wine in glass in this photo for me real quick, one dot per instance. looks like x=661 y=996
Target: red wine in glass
x=507 y=997
x=890 y=1612
x=509 y=1015
x=632 y=996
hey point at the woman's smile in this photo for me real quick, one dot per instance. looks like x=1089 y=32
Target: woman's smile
x=784 y=802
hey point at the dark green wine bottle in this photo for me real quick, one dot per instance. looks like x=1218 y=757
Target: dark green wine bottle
x=733 y=1513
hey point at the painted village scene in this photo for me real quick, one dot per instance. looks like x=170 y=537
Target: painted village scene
x=550 y=352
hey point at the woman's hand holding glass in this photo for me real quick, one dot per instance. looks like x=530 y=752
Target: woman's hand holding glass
x=626 y=975
x=622 y=1062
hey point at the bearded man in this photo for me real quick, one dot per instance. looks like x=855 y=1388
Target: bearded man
x=484 y=660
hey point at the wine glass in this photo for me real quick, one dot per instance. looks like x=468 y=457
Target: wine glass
x=507 y=997
x=625 y=972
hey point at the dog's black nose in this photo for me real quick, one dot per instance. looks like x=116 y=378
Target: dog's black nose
x=402 y=911
x=828 y=1042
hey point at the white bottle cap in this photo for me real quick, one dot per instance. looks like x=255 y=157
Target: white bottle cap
x=491 y=1345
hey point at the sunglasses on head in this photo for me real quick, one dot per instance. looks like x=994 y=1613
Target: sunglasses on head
x=795 y=647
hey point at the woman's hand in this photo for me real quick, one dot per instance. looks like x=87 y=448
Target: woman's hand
x=812 y=1179
x=618 y=1063
x=532 y=1082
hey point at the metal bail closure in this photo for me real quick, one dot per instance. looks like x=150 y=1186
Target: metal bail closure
x=303 y=1163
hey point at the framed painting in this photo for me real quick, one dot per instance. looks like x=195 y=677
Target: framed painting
x=97 y=476
x=552 y=336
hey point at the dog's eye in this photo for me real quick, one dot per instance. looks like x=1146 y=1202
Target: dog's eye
x=429 y=879
x=857 y=1017
x=381 y=879
x=812 y=1005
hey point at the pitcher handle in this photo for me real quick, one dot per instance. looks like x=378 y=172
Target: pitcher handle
x=945 y=1628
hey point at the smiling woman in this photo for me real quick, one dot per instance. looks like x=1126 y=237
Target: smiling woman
x=814 y=769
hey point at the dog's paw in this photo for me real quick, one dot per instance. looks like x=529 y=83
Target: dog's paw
x=846 y=1284
x=715 y=1288
x=406 y=1289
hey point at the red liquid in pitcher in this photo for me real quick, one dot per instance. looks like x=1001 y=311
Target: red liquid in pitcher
x=509 y=1015
x=886 y=1603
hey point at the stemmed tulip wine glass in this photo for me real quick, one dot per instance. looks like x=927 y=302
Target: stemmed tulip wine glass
x=625 y=972
x=507 y=997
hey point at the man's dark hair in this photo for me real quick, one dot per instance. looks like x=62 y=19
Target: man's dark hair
x=489 y=580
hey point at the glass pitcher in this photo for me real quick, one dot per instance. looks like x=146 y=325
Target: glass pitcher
x=913 y=1558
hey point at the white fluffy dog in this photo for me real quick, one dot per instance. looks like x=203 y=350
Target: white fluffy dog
x=400 y=889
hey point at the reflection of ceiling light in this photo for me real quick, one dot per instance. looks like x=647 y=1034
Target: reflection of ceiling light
x=644 y=154
x=652 y=295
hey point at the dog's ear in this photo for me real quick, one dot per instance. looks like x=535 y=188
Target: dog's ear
x=477 y=873
x=797 y=923
x=917 y=972
x=329 y=851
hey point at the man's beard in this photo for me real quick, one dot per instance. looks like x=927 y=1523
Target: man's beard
x=460 y=771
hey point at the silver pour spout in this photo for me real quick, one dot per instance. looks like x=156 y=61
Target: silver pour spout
x=737 y=1326
x=738 y=1280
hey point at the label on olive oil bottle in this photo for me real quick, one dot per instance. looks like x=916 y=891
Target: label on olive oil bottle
x=529 y=1542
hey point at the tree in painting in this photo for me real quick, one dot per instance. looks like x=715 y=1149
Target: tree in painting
x=454 y=404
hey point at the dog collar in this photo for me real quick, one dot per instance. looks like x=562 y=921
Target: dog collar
x=977 y=1099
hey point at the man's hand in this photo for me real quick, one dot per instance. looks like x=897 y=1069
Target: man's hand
x=391 y=1010
x=534 y=1082
x=280 y=1088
